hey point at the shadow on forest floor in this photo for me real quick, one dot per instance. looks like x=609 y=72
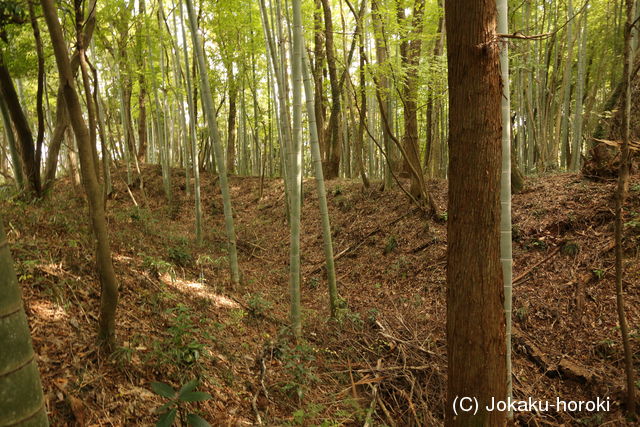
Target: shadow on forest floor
x=385 y=359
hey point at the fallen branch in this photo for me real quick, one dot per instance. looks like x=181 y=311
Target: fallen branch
x=364 y=239
x=565 y=369
x=537 y=264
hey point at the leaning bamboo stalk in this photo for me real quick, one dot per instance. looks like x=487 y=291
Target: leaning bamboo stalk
x=207 y=101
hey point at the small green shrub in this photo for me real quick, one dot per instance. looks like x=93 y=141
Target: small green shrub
x=258 y=305
x=157 y=266
x=297 y=360
x=180 y=256
x=176 y=406
x=182 y=347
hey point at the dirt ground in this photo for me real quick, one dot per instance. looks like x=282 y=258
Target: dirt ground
x=384 y=359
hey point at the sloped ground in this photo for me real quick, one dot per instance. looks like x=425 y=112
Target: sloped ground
x=383 y=361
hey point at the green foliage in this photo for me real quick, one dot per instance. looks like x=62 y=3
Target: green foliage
x=297 y=363
x=258 y=305
x=177 y=404
x=521 y=313
x=180 y=255
x=314 y=282
x=537 y=244
x=599 y=273
x=182 y=347
x=570 y=249
x=157 y=266
x=308 y=413
x=392 y=243
x=25 y=270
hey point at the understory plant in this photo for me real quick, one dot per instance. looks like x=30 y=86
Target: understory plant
x=176 y=407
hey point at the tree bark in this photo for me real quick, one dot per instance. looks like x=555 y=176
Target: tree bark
x=210 y=112
x=40 y=89
x=16 y=162
x=106 y=273
x=382 y=86
x=142 y=106
x=621 y=194
x=410 y=50
x=318 y=75
x=23 y=131
x=334 y=145
x=62 y=118
x=475 y=316
x=231 y=124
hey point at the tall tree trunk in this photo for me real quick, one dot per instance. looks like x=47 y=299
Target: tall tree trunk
x=207 y=101
x=334 y=145
x=410 y=50
x=21 y=400
x=106 y=273
x=192 y=126
x=320 y=188
x=438 y=49
x=40 y=90
x=16 y=162
x=231 y=124
x=565 y=149
x=23 y=131
x=623 y=186
x=576 y=150
x=362 y=119
x=318 y=74
x=295 y=163
x=475 y=296
x=506 y=256
x=383 y=82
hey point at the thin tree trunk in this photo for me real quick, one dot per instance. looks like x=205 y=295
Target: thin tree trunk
x=577 y=121
x=192 y=129
x=109 y=284
x=40 y=90
x=142 y=107
x=383 y=82
x=16 y=162
x=320 y=188
x=506 y=257
x=231 y=124
x=566 y=87
x=623 y=186
x=207 y=101
x=23 y=132
x=334 y=146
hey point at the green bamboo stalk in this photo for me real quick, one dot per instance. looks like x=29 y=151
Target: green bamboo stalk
x=506 y=258
x=21 y=398
x=322 y=194
x=295 y=163
x=192 y=132
x=207 y=100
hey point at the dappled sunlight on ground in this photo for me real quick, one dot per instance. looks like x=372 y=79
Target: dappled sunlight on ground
x=198 y=289
x=48 y=311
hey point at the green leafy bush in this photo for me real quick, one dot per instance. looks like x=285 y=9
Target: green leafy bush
x=180 y=256
x=176 y=406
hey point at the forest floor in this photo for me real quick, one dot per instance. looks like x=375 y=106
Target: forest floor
x=383 y=361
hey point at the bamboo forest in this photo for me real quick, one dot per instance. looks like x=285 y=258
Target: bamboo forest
x=319 y=213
